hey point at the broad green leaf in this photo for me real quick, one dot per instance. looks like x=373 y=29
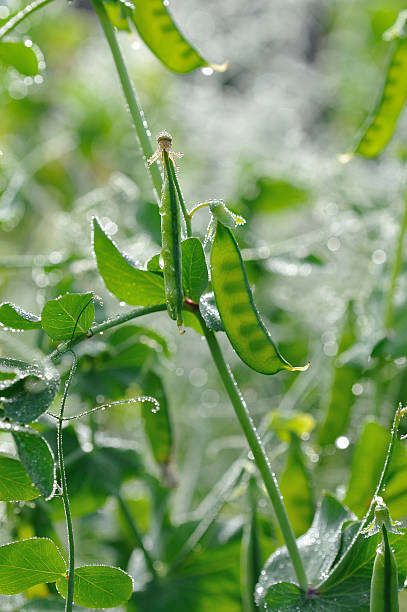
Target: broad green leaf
x=38 y=459
x=157 y=424
x=296 y=489
x=153 y=264
x=194 y=269
x=15 y=318
x=28 y=562
x=20 y=55
x=209 y=312
x=121 y=276
x=341 y=399
x=15 y=485
x=31 y=390
x=318 y=547
x=99 y=586
x=367 y=465
x=68 y=316
x=158 y=30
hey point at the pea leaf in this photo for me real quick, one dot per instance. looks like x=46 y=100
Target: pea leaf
x=20 y=55
x=68 y=316
x=209 y=312
x=28 y=562
x=318 y=547
x=15 y=485
x=367 y=465
x=15 y=318
x=157 y=424
x=38 y=459
x=194 y=269
x=295 y=487
x=159 y=32
x=121 y=275
x=29 y=391
x=99 y=586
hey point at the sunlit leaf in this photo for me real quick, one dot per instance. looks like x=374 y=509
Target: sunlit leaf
x=68 y=316
x=121 y=275
x=15 y=485
x=38 y=459
x=28 y=562
x=99 y=586
x=15 y=318
x=194 y=269
x=157 y=424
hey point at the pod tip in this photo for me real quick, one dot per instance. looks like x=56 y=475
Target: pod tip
x=301 y=368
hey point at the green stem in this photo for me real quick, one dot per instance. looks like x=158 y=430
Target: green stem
x=21 y=15
x=130 y=95
x=397 y=263
x=135 y=533
x=108 y=324
x=196 y=208
x=65 y=498
x=259 y=454
x=186 y=216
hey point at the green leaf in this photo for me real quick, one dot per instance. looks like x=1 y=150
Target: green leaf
x=158 y=30
x=15 y=318
x=210 y=312
x=15 y=485
x=68 y=316
x=194 y=269
x=295 y=487
x=27 y=563
x=318 y=548
x=341 y=399
x=20 y=55
x=157 y=424
x=99 y=586
x=367 y=465
x=30 y=391
x=38 y=459
x=121 y=276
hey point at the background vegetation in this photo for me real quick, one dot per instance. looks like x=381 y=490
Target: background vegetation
x=320 y=246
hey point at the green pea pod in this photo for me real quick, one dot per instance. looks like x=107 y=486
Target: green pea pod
x=171 y=246
x=241 y=320
x=382 y=122
x=384 y=585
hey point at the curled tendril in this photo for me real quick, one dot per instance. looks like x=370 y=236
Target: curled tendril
x=131 y=400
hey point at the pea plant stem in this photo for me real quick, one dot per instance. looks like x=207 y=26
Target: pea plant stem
x=65 y=497
x=135 y=533
x=259 y=454
x=397 y=263
x=21 y=15
x=135 y=109
x=104 y=325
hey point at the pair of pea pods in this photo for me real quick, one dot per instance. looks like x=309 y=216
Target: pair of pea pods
x=240 y=317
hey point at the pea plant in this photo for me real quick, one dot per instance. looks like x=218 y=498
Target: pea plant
x=351 y=557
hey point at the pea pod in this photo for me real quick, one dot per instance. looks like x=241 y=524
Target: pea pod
x=382 y=122
x=384 y=585
x=171 y=245
x=240 y=317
